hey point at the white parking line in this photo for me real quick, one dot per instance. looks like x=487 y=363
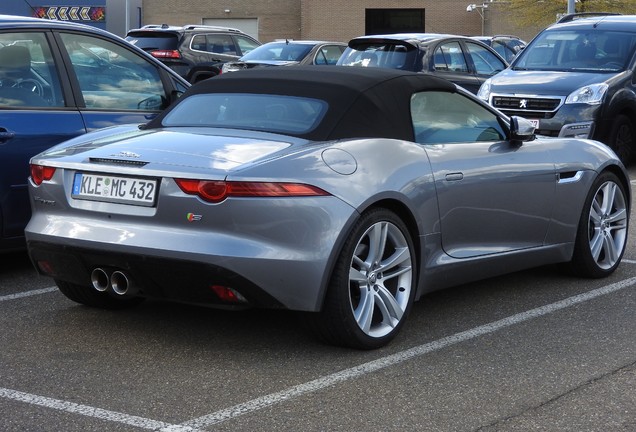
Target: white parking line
x=628 y=261
x=366 y=368
x=27 y=294
x=317 y=384
x=88 y=411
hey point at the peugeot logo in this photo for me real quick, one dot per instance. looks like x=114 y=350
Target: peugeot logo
x=523 y=103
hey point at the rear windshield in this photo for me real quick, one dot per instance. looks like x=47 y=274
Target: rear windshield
x=153 y=41
x=269 y=113
x=380 y=54
x=575 y=50
x=279 y=51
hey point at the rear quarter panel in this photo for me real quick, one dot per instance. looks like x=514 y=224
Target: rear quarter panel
x=369 y=173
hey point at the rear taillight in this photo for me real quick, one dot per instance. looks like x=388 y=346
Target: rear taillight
x=217 y=191
x=41 y=173
x=166 y=54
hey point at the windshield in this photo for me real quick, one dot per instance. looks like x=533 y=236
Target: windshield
x=380 y=54
x=153 y=41
x=279 y=51
x=574 y=50
x=263 y=112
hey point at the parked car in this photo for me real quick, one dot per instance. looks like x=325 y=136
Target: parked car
x=302 y=188
x=196 y=52
x=459 y=59
x=289 y=53
x=507 y=46
x=575 y=79
x=59 y=80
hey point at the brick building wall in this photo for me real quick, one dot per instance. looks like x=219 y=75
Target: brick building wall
x=329 y=19
x=338 y=20
x=276 y=18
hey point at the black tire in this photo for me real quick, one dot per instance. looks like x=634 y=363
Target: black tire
x=622 y=138
x=90 y=297
x=387 y=280
x=200 y=73
x=602 y=233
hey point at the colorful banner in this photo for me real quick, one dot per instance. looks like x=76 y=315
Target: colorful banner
x=71 y=13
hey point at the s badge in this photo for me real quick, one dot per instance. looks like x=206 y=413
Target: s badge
x=193 y=217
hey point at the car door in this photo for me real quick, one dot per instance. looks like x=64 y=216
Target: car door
x=113 y=84
x=245 y=44
x=503 y=50
x=494 y=196
x=450 y=63
x=328 y=54
x=36 y=112
x=483 y=63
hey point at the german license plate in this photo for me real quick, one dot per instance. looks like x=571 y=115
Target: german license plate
x=116 y=189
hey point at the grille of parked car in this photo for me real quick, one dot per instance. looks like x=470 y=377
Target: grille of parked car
x=525 y=104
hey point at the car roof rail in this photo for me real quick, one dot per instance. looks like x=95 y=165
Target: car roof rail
x=190 y=27
x=209 y=27
x=155 y=26
x=575 y=16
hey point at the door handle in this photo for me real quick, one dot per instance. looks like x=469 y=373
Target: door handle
x=5 y=135
x=456 y=176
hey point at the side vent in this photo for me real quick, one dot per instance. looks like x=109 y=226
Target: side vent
x=569 y=177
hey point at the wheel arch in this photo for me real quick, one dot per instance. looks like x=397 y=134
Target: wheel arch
x=402 y=211
x=202 y=71
x=601 y=239
x=623 y=102
x=623 y=177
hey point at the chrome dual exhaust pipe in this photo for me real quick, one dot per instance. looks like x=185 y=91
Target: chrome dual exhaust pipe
x=100 y=279
x=118 y=282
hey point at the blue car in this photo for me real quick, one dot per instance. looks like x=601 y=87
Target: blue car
x=59 y=80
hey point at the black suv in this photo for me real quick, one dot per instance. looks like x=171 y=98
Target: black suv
x=575 y=79
x=195 y=52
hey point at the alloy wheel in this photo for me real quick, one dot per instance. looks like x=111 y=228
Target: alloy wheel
x=380 y=279
x=607 y=225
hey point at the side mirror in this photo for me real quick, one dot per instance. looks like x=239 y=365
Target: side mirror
x=174 y=95
x=521 y=130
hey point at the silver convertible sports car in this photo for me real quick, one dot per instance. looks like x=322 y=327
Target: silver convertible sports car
x=344 y=193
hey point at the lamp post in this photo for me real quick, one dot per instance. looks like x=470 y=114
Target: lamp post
x=481 y=10
x=571 y=7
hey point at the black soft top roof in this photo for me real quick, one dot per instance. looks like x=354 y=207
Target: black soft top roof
x=363 y=102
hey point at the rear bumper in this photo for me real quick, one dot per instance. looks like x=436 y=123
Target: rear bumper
x=274 y=255
x=153 y=277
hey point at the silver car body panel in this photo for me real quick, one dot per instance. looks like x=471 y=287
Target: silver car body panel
x=506 y=220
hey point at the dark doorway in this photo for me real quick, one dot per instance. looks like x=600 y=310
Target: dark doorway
x=385 y=21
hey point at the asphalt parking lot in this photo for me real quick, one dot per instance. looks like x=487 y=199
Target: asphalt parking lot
x=535 y=350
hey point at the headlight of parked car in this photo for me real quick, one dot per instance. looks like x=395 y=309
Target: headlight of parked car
x=591 y=95
x=484 y=90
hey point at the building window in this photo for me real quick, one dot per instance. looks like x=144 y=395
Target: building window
x=386 y=21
